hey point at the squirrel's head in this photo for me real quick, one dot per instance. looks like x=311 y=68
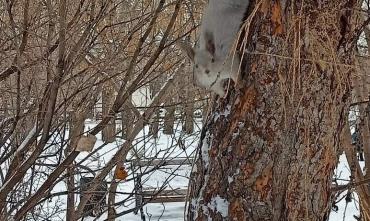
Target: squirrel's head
x=205 y=68
x=209 y=70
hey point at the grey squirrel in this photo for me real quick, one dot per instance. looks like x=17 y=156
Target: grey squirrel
x=212 y=59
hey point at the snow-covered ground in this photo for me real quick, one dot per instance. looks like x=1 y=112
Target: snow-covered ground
x=173 y=176
x=175 y=211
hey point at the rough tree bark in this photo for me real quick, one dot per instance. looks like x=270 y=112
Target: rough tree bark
x=128 y=118
x=77 y=128
x=155 y=86
x=169 y=117
x=109 y=132
x=360 y=94
x=268 y=150
x=188 y=107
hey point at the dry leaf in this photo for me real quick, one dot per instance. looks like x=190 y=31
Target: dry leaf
x=121 y=173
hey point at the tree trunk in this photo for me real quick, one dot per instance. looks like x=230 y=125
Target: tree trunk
x=268 y=150
x=189 y=100
x=362 y=88
x=188 y=126
x=109 y=132
x=127 y=120
x=155 y=86
x=169 y=117
x=77 y=123
x=359 y=95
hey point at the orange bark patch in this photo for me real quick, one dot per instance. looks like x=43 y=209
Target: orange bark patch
x=254 y=68
x=236 y=211
x=276 y=18
x=249 y=100
x=262 y=183
x=248 y=169
x=266 y=80
x=241 y=151
x=328 y=162
x=329 y=158
x=265 y=7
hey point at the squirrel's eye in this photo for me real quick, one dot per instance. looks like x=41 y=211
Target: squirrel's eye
x=207 y=71
x=196 y=66
x=213 y=60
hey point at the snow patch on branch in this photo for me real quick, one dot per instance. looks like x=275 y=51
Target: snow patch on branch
x=26 y=140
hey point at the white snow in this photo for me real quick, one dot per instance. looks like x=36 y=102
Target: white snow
x=205 y=149
x=173 y=177
x=230 y=179
x=27 y=139
x=224 y=113
x=220 y=205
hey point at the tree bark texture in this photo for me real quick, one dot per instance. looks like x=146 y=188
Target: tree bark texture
x=169 y=117
x=155 y=87
x=268 y=150
x=127 y=120
x=360 y=94
x=109 y=132
x=188 y=107
x=77 y=128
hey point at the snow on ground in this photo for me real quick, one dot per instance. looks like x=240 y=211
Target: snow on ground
x=167 y=146
x=175 y=177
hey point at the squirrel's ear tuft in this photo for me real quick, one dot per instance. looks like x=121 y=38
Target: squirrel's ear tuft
x=186 y=47
x=210 y=43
